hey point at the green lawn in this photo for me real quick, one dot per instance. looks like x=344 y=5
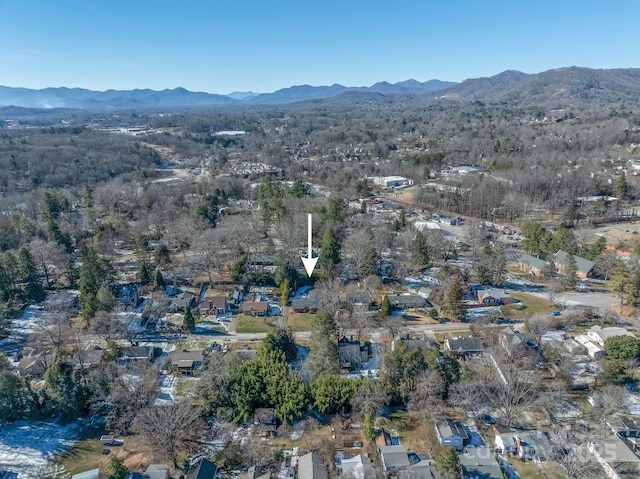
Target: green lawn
x=529 y=306
x=249 y=324
x=301 y=321
x=86 y=453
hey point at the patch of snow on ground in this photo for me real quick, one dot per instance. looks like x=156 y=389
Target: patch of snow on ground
x=27 y=447
x=168 y=385
x=634 y=404
x=298 y=430
x=133 y=321
x=552 y=336
x=566 y=411
x=21 y=327
x=302 y=292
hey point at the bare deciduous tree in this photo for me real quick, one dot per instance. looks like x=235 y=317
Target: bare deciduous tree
x=167 y=431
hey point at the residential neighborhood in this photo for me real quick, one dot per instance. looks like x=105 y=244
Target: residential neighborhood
x=373 y=286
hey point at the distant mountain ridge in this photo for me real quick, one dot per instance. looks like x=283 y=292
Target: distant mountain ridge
x=79 y=98
x=552 y=87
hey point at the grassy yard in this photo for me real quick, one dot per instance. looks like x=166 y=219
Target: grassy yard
x=249 y=324
x=529 y=306
x=87 y=453
x=301 y=321
x=415 y=434
x=531 y=470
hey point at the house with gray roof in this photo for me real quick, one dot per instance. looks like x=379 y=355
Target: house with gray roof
x=310 y=304
x=203 y=469
x=479 y=462
x=360 y=298
x=451 y=434
x=394 y=458
x=531 y=265
x=130 y=354
x=182 y=301
x=185 y=361
x=85 y=360
x=492 y=296
x=403 y=301
x=527 y=445
x=157 y=471
x=617 y=457
x=464 y=347
x=358 y=467
x=583 y=265
x=514 y=342
x=312 y=466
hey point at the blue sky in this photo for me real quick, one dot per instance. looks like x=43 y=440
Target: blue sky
x=221 y=46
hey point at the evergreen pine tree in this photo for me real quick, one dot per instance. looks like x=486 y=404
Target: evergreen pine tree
x=385 y=308
x=158 y=281
x=189 y=322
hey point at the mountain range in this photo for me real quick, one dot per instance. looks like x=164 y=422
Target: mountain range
x=552 y=86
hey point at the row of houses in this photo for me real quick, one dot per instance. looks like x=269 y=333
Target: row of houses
x=537 y=265
x=32 y=364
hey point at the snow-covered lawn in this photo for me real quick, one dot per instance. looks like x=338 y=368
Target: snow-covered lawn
x=21 y=327
x=27 y=447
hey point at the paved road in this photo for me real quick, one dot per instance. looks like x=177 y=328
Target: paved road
x=597 y=301
x=375 y=333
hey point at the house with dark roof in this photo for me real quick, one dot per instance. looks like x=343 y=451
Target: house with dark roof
x=181 y=301
x=310 y=304
x=531 y=265
x=203 y=469
x=253 y=473
x=312 y=466
x=583 y=265
x=365 y=299
x=515 y=342
x=214 y=305
x=131 y=354
x=394 y=458
x=35 y=365
x=464 y=347
x=264 y=421
x=479 y=462
x=491 y=296
x=451 y=434
x=404 y=301
x=85 y=360
x=351 y=353
x=256 y=308
x=185 y=361
x=423 y=469
x=416 y=343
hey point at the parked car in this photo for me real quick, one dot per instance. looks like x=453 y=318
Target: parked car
x=555 y=313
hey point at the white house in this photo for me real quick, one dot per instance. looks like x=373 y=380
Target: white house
x=392 y=181
x=593 y=350
x=358 y=467
x=599 y=335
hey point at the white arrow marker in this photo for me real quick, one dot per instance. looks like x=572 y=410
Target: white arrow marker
x=309 y=262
